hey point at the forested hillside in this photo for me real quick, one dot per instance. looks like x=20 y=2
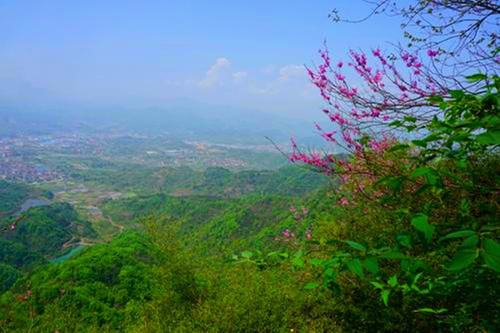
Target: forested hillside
x=183 y=248
x=13 y=195
x=33 y=237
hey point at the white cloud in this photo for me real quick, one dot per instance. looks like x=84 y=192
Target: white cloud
x=289 y=78
x=238 y=77
x=212 y=76
x=269 y=69
x=291 y=71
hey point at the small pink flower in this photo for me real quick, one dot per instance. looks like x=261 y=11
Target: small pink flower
x=305 y=211
x=293 y=209
x=308 y=234
x=344 y=201
x=432 y=53
x=286 y=233
x=340 y=64
x=13 y=227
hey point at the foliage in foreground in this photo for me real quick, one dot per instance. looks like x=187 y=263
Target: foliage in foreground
x=420 y=230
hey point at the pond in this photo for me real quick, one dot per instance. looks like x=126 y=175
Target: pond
x=30 y=203
x=74 y=251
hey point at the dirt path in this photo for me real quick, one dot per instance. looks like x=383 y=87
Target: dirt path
x=114 y=224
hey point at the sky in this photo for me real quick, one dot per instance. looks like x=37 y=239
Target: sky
x=248 y=54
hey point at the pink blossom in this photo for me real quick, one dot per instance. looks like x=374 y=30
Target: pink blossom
x=286 y=233
x=13 y=227
x=344 y=201
x=340 y=64
x=308 y=234
x=340 y=77
x=304 y=211
x=293 y=209
x=329 y=136
x=432 y=53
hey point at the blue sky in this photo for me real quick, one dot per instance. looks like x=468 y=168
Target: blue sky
x=154 y=53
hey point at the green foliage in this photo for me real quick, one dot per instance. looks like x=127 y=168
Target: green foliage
x=16 y=254
x=423 y=255
x=46 y=229
x=8 y=275
x=95 y=291
x=12 y=196
x=429 y=245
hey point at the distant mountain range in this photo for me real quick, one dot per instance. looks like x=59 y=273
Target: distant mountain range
x=217 y=124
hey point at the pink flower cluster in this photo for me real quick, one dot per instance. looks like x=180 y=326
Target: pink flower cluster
x=287 y=234
x=386 y=94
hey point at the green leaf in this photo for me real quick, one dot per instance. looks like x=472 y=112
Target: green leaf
x=278 y=254
x=311 y=286
x=377 y=285
x=355 y=266
x=432 y=137
x=317 y=262
x=246 y=254
x=457 y=94
x=356 y=246
x=371 y=265
x=420 y=223
x=393 y=281
x=429 y=310
x=436 y=99
x=399 y=147
x=476 y=77
x=470 y=242
x=385 y=296
x=392 y=255
x=458 y=234
x=395 y=183
x=395 y=123
x=404 y=240
x=410 y=119
x=419 y=143
x=421 y=171
x=462 y=259
x=430 y=174
x=489 y=138
x=491 y=254
x=297 y=261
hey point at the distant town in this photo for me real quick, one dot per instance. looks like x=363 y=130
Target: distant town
x=44 y=158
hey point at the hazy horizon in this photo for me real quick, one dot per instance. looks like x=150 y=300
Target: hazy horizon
x=200 y=57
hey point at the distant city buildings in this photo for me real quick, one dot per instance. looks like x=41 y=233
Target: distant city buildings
x=48 y=158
